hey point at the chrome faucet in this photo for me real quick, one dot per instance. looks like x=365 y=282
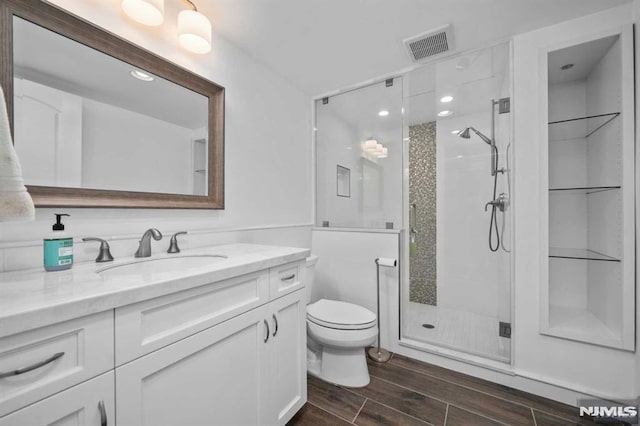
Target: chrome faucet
x=144 y=249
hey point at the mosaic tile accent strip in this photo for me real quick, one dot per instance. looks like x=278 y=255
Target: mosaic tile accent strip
x=422 y=193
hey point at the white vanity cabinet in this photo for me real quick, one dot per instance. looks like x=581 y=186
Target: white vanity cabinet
x=229 y=352
x=247 y=370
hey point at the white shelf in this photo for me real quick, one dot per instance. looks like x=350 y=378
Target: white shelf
x=579 y=254
x=580 y=324
x=589 y=296
x=580 y=127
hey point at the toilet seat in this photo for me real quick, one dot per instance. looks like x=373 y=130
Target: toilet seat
x=340 y=315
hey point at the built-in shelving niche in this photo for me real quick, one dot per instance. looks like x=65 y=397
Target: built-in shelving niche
x=588 y=281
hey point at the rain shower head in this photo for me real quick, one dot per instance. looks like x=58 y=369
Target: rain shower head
x=465 y=135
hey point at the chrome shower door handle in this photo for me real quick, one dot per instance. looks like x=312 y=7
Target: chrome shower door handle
x=412 y=218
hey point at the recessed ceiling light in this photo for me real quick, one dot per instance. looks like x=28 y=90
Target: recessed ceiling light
x=445 y=113
x=383 y=113
x=455 y=132
x=566 y=67
x=446 y=99
x=141 y=75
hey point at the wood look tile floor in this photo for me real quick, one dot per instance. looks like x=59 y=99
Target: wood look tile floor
x=405 y=391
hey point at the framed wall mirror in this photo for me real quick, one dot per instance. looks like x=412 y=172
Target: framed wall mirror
x=99 y=122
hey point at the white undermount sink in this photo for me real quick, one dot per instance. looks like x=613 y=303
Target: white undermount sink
x=161 y=265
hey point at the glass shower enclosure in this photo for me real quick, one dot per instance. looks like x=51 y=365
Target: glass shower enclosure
x=429 y=153
x=456 y=292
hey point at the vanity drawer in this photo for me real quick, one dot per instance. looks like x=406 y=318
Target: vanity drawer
x=286 y=278
x=53 y=358
x=150 y=325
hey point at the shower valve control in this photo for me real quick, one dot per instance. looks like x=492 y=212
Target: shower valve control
x=502 y=202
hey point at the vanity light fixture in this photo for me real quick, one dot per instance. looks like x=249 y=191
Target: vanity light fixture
x=446 y=99
x=145 y=12
x=194 y=30
x=383 y=113
x=370 y=144
x=141 y=75
x=15 y=202
x=445 y=113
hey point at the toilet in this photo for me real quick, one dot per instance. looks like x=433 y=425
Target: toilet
x=337 y=335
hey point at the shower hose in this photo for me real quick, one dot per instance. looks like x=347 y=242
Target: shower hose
x=493 y=223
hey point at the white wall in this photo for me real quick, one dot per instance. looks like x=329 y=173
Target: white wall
x=583 y=367
x=267 y=150
x=471 y=277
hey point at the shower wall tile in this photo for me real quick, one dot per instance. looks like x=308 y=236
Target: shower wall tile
x=422 y=193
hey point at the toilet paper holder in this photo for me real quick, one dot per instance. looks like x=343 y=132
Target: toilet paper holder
x=377 y=353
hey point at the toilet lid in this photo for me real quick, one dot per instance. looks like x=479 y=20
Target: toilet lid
x=340 y=315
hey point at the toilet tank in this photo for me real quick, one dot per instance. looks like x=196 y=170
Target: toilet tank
x=309 y=272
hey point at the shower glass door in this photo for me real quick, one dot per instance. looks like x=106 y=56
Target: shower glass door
x=456 y=292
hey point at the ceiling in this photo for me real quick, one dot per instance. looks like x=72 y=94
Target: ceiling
x=321 y=46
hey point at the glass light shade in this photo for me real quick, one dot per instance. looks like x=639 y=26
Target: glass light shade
x=194 y=31
x=370 y=145
x=146 y=12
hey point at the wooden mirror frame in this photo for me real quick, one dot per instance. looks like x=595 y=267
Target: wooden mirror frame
x=67 y=25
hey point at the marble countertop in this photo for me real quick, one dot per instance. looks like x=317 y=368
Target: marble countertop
x=35 y=298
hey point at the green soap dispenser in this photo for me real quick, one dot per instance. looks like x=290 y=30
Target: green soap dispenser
x=58 y=248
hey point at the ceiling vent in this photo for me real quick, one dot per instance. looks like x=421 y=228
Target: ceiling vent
x=429 y=44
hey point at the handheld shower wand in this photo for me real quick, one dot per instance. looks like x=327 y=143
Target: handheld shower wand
x=500 y=202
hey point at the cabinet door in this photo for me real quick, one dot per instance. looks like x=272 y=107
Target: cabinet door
x=210 y=378
x=286 y=372
x=88 y=404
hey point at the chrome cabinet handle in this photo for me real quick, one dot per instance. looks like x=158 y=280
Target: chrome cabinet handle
x=31 y=367
x=275 y=322
x=103 y=413
x=267 y=336
x=290 y=277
